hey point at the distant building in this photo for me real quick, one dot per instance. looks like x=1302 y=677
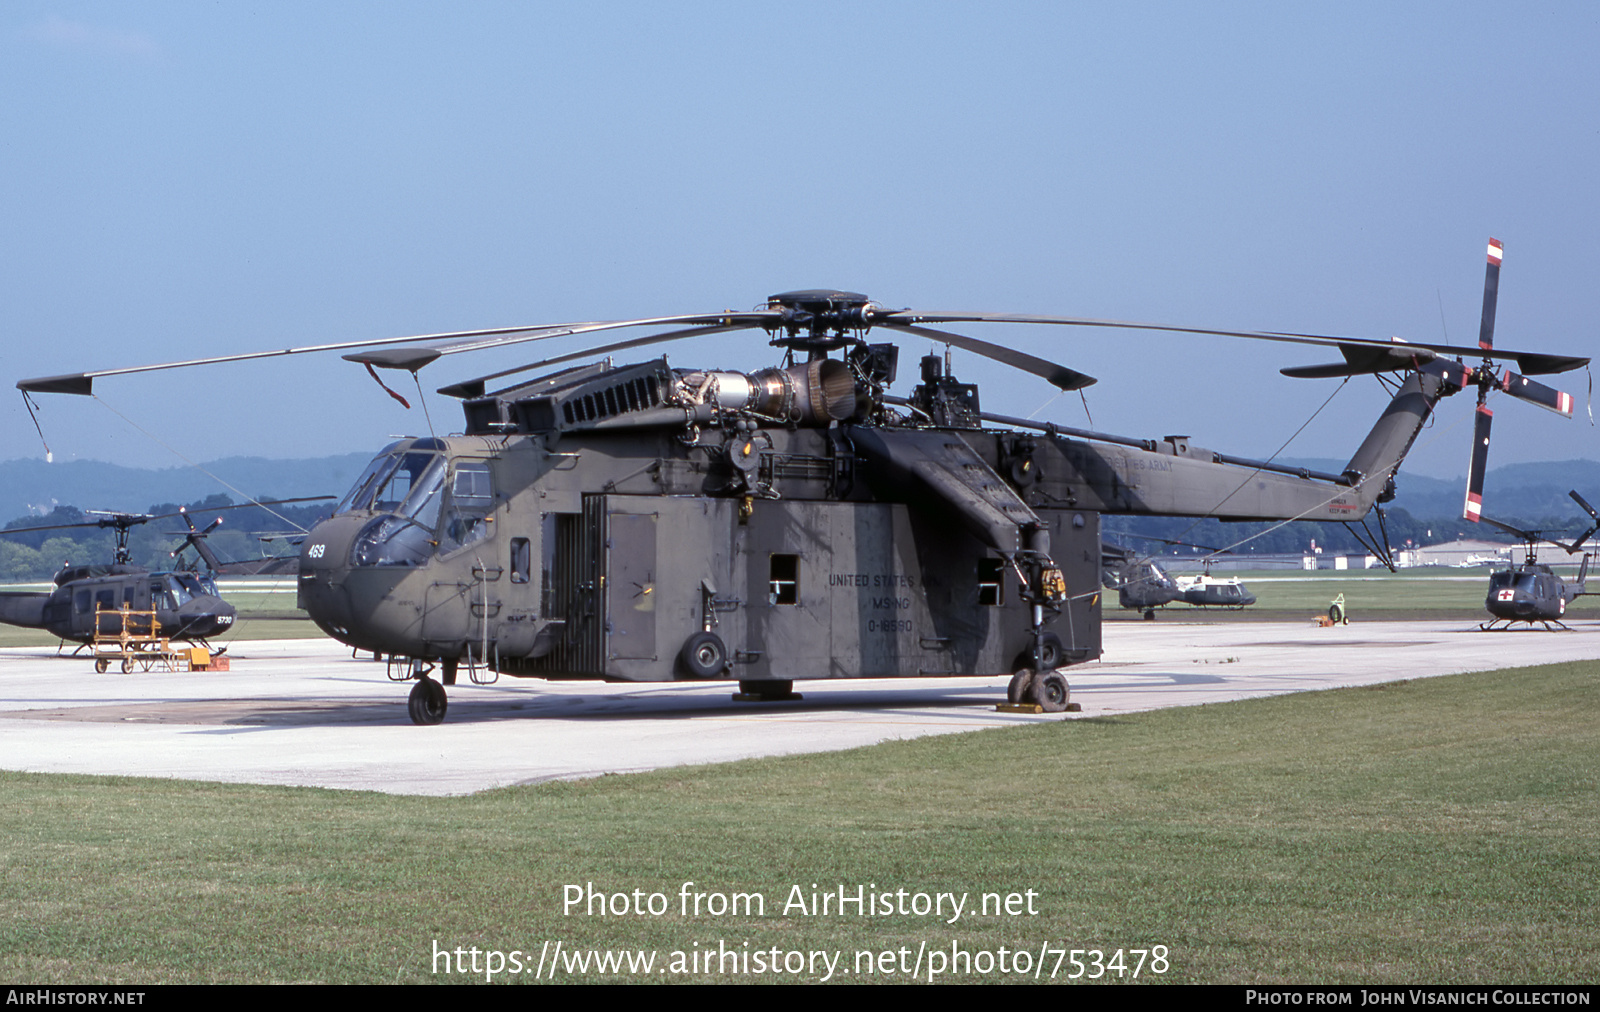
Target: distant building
x=1466 y=552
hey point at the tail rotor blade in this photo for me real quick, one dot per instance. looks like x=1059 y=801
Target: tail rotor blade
x=1473 y=510
x=1491 y=295
x=1534 y=392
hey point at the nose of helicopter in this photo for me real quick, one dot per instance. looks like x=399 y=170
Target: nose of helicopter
x=324 y=564
x=204 y=616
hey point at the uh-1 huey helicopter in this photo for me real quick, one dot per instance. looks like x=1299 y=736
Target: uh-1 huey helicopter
x=1142 y=585
x=88 y=599
x=649 y=523
x=1533 y=592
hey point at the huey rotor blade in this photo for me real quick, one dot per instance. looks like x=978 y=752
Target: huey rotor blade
x=1581 y=501
x=1473 y=510
x=1057 y=375
x=475 y=387
x=1577 y=543
x=1529 y=536
x=1491 y=294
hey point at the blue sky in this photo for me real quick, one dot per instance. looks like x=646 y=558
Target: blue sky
x=187 y=179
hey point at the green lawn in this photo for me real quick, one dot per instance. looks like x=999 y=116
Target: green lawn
x=1441 y=830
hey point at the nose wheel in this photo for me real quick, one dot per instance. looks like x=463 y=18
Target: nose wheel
x=428 y=702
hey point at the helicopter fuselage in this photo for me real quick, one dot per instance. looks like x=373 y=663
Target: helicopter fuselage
x=89 y=599
x=640 y=546
x=1529 y=593
x=815 y=577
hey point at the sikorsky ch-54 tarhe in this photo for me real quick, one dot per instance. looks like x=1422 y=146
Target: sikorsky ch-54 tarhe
x=644 y=522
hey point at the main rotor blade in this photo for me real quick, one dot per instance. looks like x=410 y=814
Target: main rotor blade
x=1529 y=536
x=1360 y=360
x=1473 y=510
x=135 y=519
x=469 y=389
x=1491 y=294
x=82 y=382
x=412 y=359
x=1057 y=375
x=1530 y=362
x=1577 y=543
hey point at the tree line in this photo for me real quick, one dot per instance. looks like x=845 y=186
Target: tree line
x=32 y=556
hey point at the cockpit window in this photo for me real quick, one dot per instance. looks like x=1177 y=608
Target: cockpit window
x=191 y=584
x=363 y=488
x=471 y=502
x=389 y=481
x=422 y=503
x=471 y=486
x=177 y=593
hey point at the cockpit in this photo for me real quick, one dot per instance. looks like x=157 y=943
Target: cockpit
x=427 y=503
x=1522 y=580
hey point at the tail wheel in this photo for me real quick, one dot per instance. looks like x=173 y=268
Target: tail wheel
x=1050 y=691
x=428 y=702
x=704 y=656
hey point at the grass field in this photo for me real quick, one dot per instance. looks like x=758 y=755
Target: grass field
x=1442 y=830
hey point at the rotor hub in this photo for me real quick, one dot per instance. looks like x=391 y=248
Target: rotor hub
x=819 y=319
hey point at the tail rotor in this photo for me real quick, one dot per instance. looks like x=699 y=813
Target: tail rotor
x=1486 y=379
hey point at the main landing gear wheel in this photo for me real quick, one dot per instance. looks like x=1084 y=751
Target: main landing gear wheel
x=1050 y=692
x=1020 y=689
x=428 y=702
x=704 y=656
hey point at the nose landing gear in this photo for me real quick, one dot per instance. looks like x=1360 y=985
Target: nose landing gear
x=428 y=702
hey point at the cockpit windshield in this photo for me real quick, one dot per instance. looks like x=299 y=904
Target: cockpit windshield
x=405 y=482
x=195 y=586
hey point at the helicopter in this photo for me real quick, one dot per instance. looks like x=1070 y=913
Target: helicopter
x=1142 y=585
x=271 y=565
x=87 y=599
x=1532 y=592
x=642 y=522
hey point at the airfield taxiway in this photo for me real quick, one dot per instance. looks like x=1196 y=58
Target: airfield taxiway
x=305 y=712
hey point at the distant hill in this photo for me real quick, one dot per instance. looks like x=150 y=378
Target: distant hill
x=33 y=486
